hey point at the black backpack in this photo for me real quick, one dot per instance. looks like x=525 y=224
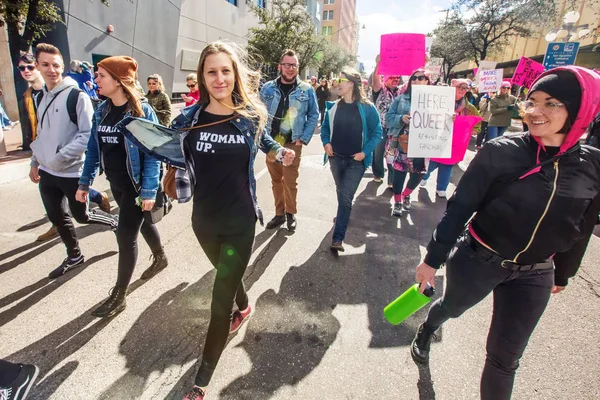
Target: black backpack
x=72 y=99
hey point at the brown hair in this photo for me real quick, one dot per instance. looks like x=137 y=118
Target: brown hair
x=358 y=91
x=133 y=95
x=159 y=81
x=46 y=48
x=287 y=53
x=246 y=101
x=27 y=58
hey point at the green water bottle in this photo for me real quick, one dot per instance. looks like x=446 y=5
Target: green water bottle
x=407 y=304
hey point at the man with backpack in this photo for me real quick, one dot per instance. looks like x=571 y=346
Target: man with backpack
x=58 y=153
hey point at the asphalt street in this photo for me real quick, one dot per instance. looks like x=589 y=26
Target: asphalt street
x=318 y=331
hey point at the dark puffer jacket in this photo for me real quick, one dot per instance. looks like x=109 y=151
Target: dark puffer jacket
x=530 y=203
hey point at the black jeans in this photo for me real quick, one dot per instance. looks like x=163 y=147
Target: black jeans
x=53 y=190
x=483 y=133
x=520 y=299
x=378 y=156
x=131 y=222
x=322 y=110
x=229 y=251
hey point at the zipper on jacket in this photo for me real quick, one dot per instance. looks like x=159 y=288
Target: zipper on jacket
x=543 y=215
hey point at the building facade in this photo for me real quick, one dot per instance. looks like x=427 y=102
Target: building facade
x=340 y=23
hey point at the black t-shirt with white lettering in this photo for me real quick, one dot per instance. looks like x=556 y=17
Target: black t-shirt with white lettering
x=112 y=144
x=221 y=157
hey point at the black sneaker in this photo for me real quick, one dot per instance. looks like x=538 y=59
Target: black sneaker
x=397 y=211
x=19 y=388
x=406 y=203
x=115 y=226
x=113 y=305
x=276 y=222
x=67 y=265
x=291 y=222
x=160 y=262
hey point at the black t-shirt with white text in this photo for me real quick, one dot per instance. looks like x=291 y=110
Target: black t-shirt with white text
x=112 y=143
x=221 y=157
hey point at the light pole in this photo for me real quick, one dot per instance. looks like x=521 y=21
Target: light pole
x=569 y=31
x=348 y=26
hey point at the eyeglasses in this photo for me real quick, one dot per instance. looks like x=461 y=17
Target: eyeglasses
x=419 y=78
x=192 y=85
x=22 y=68
x=547 y=108
x=289 y=66
x=340 y=80
x=462 y=88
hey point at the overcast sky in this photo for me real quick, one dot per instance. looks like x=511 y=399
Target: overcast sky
x=394 y=16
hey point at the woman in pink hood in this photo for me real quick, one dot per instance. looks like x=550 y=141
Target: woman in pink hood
x=529 y=201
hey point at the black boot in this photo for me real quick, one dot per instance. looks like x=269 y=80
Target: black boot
x=113 y=305
x=419 y=348
x=291 y=222
x=159 y=263
x=276 y=222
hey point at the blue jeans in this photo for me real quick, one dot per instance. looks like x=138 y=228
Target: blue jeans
x=4 y=120
x=495 y=131
x=444 y=173
x=95 y=196
x=347 y=174
x=377 y=164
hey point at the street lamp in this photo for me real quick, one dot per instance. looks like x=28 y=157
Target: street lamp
x=569 y=32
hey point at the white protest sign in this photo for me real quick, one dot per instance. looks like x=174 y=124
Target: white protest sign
x=484 y=66
x=431 y=122
x=434 y=65
x=490 y=81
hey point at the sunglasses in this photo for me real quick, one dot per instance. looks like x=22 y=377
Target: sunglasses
x=192 y=85
x=419 y=78
x=340 y=80
x=22 y=68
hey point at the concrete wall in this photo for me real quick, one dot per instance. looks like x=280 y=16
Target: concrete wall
x=143 y=29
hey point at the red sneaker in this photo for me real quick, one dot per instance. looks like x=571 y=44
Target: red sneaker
x=195 y=394
x=239 y=318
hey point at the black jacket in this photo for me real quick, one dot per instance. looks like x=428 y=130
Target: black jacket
x=526 y=219
x=322 y=94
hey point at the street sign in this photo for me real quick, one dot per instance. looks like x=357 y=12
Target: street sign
x=559 y=54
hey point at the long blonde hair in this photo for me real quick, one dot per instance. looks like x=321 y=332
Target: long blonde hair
x=246 y=101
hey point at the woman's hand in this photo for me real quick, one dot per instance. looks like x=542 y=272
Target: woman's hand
x=81 y=196
x=425 y=275
x=329 y=149
x=288 y=157
x=359 y=156
x=558 y=289
x=147 y=205
x=34 y=174
x=406 y=119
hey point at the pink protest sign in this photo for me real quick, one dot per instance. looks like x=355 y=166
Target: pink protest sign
x=527 y=72
x=401 y=53
x=463 y=126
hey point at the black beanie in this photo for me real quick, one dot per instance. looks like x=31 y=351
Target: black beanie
x=563 y=86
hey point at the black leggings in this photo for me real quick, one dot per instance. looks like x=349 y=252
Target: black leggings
x=131 y=222
x=400 y=176
x=54 y=190
x=483 y=134
x=229 y=254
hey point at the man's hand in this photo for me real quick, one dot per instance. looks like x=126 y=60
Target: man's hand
x=558 y=289
x=34 y=174
x=288 y=157
x=299 y=142
x=425 y=275
x=147 y=205
x=359 y=156
x=81 y=196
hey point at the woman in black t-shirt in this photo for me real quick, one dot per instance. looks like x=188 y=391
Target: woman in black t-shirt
x=133 y=176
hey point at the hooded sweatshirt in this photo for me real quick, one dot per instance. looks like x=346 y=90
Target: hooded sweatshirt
x=531 y=203
x=60 y=144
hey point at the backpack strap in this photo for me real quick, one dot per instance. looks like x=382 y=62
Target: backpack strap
x=72 y=104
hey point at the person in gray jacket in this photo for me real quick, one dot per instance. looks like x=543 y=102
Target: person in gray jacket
x=58 y=154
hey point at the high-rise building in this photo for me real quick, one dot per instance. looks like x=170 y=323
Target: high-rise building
x=340 y=23
x=314 y=9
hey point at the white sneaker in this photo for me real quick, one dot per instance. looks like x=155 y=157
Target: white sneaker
x=423 y=183
x=441 y=193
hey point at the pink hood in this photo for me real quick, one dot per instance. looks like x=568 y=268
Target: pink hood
x=589 y=81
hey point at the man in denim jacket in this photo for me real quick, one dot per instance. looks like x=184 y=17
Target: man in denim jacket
x=293 y=117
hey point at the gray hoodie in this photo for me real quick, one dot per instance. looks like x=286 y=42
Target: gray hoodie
x=60 y=144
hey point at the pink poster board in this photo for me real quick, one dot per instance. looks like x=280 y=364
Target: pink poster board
x=527 y=72
x=463 y=126
x=401 y=53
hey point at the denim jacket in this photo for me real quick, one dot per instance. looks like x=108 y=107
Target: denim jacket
x=146 y=181
x=371 y=128
x=393 y=118
x=304 y=109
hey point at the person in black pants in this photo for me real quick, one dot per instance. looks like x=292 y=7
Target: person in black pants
x=521 y=248
x=133 y=176
x=322 y=96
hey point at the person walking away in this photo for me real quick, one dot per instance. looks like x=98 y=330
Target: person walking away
x=58 y=155
x=194 y=95
x=132 y=175
x=293 y=117
x=398 y=123
x=322 y=93
x=349 y=134
x=521 y=248
x=461 y=107
x=383 y=97
x=158 y=99
x=484 y=110
x=217 y=148
x=501 y=107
